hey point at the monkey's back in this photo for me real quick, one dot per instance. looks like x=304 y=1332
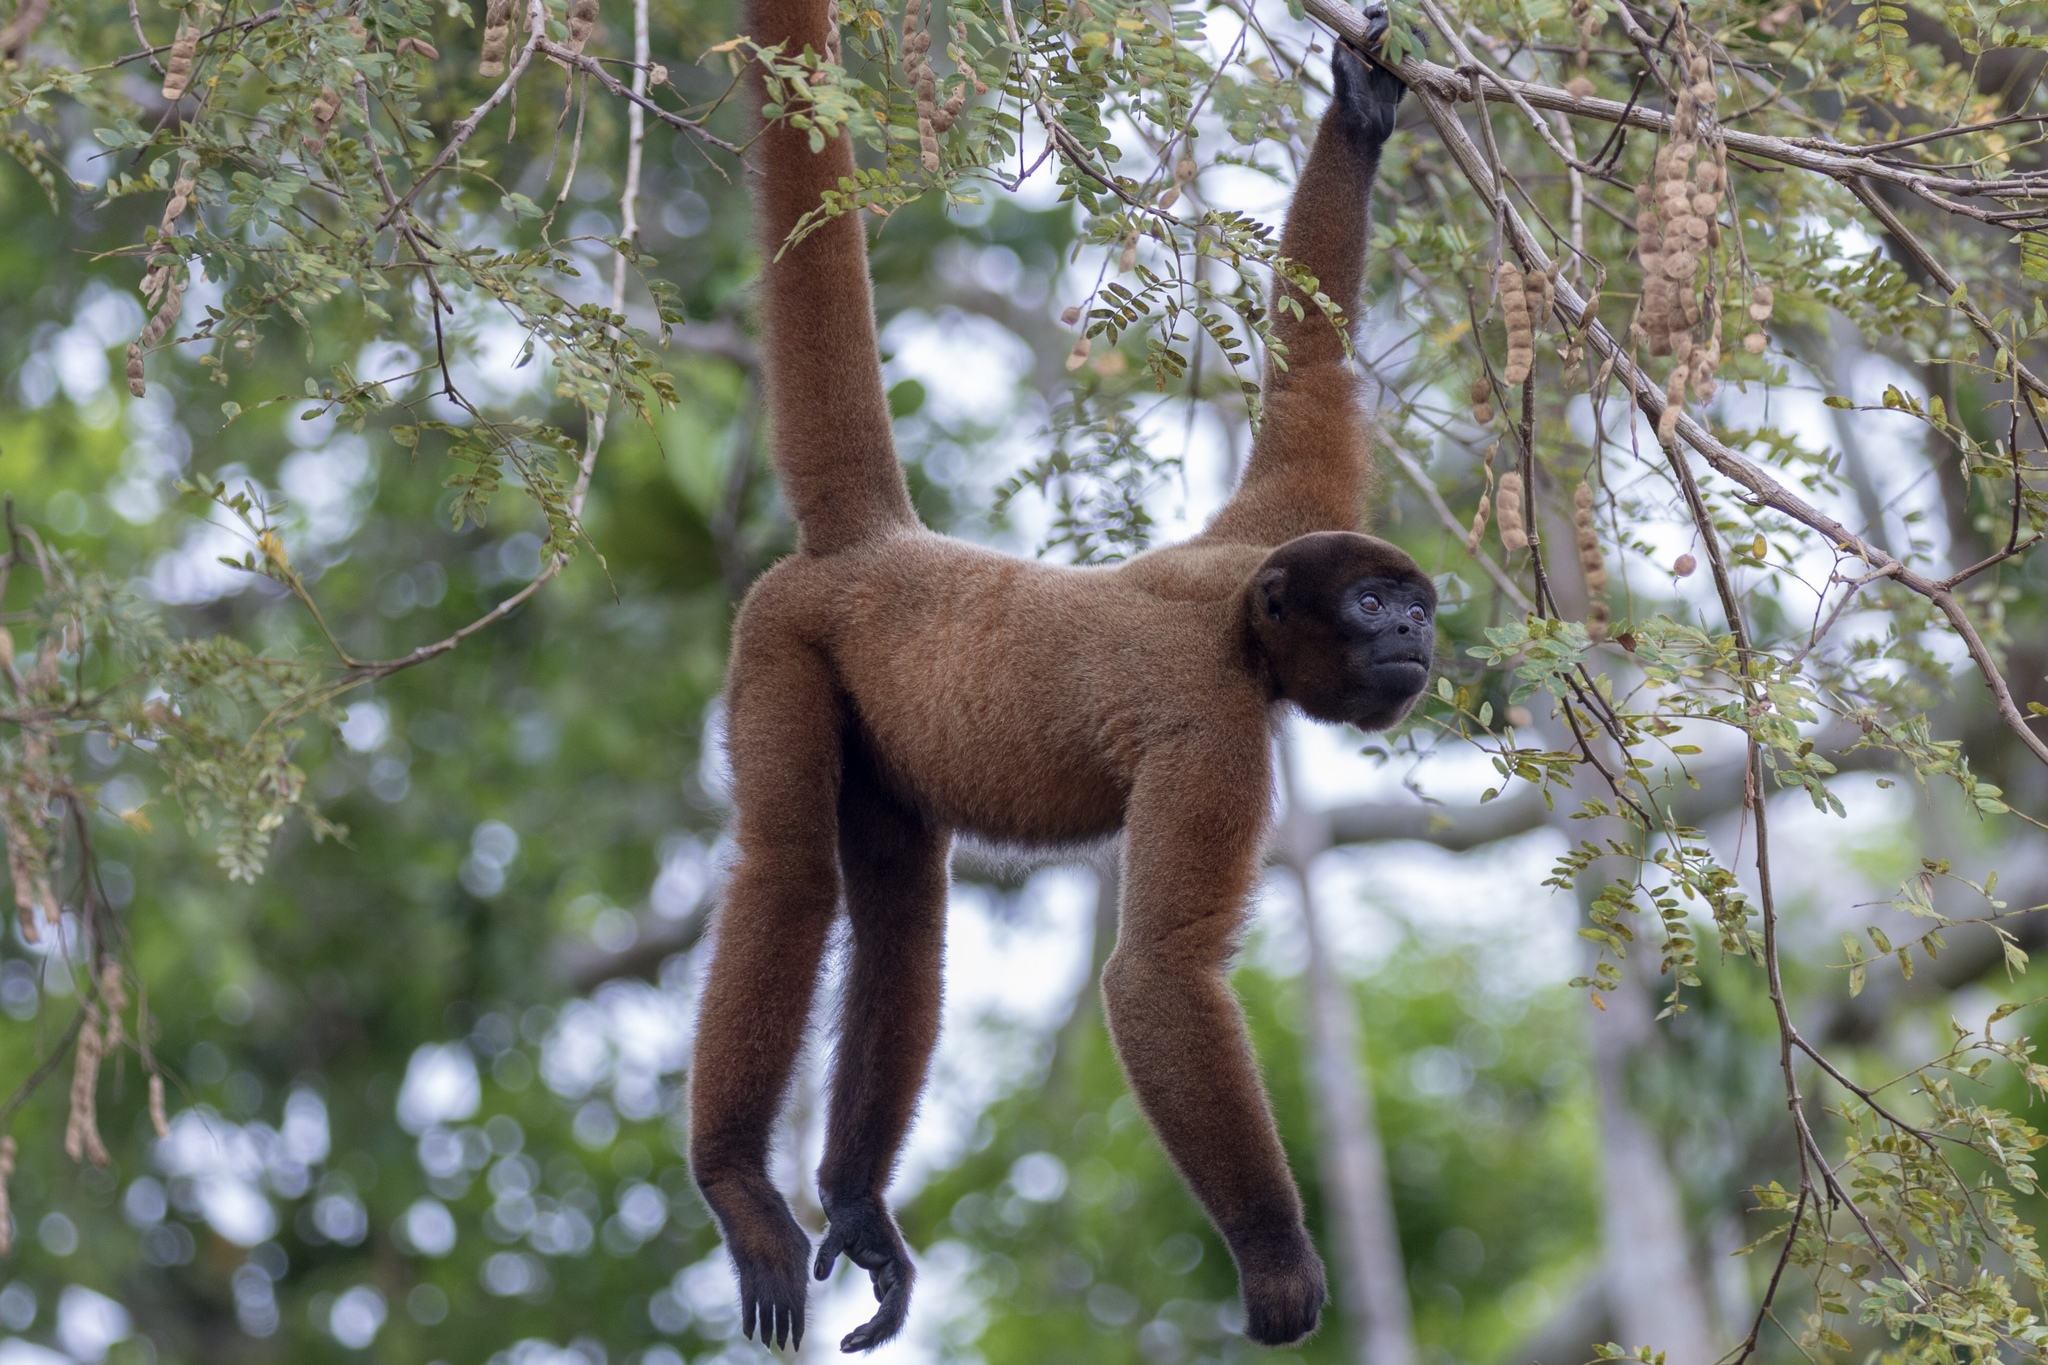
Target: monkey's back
x=1011 y=698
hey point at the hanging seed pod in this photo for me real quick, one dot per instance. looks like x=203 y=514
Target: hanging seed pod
x=1071 y=314
x=1760 y=302
x=1128 y=257
x=115 y=992
x=1706 y=359
x=1478 y=524
x=1592 y=561
x=1514 y=307
x=1481 y=395
x=1507 y=513
x=1684 y=565
x=1755 y=343
x=497 y=33
x=1540 y=289
x=1078 y=357
x=1170 y=198
x=82 y=1127
x=582 y=22
x=159 y=1122
x=325 y=106
x=6 y=1209
x=1578 y=87
x=178 y=65
x=1674 y=403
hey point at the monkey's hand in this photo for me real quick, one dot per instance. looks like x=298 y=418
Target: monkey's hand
x=1369 y=93
x=862 y=1228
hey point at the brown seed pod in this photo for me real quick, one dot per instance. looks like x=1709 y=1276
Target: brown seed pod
x=1684 y=565
x=325 y=106
x=158 y=1120
x=497 y=33
x=1184 y=170
x=1128 y=257
x=82 y=1127
x=178 y=65
x=1674 y=403
x=1478 y=524
x=1755 y=343
x=1760 y=301
x=1578 y=87
x=1071 y=314
x=582 y=22
x=1170 y=198
x=1078 y=357
x=1482 y=414
x=1514 y=307
x=1508 y=513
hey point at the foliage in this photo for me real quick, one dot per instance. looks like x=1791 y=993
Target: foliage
x=339 y=256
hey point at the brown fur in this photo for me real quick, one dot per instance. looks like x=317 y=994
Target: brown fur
x=890 y=686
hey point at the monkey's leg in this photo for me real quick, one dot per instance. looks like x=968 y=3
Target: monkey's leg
x=784 y=733
x=1192 y=843
x=895 y=869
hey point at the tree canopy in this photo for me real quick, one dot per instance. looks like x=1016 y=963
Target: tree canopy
x=383 y=465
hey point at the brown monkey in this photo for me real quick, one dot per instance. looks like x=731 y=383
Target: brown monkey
x=890 y=686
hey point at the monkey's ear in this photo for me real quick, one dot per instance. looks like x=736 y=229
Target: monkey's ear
x=1272 y=588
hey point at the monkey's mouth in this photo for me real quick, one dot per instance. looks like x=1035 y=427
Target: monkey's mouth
x=1402 y=678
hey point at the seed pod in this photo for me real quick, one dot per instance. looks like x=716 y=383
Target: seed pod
x=135 y=383
x=1755 y=343
x=1578 y=87
x=1184 y=170
x=325 y=106
x=1684 y=565
x=1170 y=198
x=1478 y=524
x=497 y=32
x=157 y=1118
x=6 y=1212
x=1128 y=257
x=82 y=1128
x=582 y=21
x=1514 y=307
x=1078 y=357
x=1674 y=403
x=1070 y=314
x=1760 y=301
x=657 y=75
x=1482 y=414
x=1508 y=513
x=178 y=66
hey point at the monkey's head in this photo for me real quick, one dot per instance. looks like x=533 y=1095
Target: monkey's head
x=1347 y=625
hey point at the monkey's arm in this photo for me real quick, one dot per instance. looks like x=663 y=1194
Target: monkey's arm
x=1310 y=469
x=828 y=417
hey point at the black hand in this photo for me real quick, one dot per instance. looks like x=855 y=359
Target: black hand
x=1369 y=93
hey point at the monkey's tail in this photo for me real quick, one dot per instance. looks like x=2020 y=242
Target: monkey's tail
x=828 y=417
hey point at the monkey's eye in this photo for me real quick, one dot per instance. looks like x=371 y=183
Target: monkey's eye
x=1418 y=613
x=1371 y=601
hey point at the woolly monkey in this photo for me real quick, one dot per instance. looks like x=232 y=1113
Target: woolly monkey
x=890 y=686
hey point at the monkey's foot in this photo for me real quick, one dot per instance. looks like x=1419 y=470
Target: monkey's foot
x=1283 y=1289
x=862 y=1228
x=769 y=1251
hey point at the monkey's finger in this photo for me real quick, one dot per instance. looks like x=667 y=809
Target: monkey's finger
x=748 y=1303
x=796 y=1330
x=828 y=1252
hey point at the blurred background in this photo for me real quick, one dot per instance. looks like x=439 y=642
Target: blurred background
x=425 y=1079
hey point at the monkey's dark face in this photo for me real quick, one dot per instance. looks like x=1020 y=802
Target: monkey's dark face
x=1348 y=626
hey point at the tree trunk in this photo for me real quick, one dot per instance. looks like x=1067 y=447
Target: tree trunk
x=1371 y=1280
x=1657 y=1298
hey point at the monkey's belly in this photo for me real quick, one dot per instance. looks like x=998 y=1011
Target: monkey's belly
x=980 y=771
